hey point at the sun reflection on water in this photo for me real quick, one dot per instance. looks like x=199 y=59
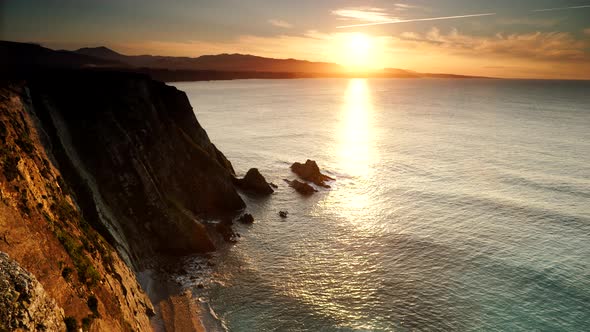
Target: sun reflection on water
x=355 y=157
x=355 y=137
x=341 y=293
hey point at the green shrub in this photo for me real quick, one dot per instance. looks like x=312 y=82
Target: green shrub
x=87 y=273
x=71 y=324
x=91 y=275
x=64 y=211
x=93 y=305
x=46 y=216
x=66 y=273
x=26 y=144
x=23 y=203
x=3 y=131
x=86 y=323
x=10 y=167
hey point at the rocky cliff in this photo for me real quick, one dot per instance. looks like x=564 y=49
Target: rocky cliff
x=44 y=231
x=99 y=173
x=27 y=305
x=143 y=169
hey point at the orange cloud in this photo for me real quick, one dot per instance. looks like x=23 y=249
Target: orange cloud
x=280 y=23
x=526 y=21
x=536 y=45
x=365 y=14
x=536 y=55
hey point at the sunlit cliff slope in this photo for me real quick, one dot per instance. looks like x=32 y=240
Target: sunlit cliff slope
x=99 y=173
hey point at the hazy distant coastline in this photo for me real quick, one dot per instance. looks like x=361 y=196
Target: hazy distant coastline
x=17 y=57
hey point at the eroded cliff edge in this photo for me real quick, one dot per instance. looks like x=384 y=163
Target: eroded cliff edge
x=137 y=158
x=93 y=161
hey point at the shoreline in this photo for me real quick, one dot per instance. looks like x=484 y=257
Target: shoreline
x=179 y=313
x=174 y=306
x=169 y=286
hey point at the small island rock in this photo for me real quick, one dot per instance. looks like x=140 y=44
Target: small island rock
x=246 y=219
x=311 y=172
x=254 y=182
x=226 y=232
x=301 y=187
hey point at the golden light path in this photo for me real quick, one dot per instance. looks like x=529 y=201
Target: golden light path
x=355 y=136
x=339 y=293
x=356 y=158
x=354 y=154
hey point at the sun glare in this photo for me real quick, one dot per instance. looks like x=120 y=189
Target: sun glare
x=360 y=42
x=358 y=48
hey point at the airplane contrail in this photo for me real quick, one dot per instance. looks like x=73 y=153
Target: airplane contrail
x=451 y=17
x=560 y=8
x=414 y=20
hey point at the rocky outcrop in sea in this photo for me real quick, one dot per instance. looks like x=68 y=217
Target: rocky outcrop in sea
x=254 y=182
x=311 y=172
x=301 y=187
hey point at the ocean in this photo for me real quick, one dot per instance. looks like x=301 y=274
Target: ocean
x=458 y=205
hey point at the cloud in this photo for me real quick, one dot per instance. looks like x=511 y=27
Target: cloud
x=525 y=21
x=537 y=54
x=371 y=14
x=365 y=14
x=318 y=46
x=561 y=8
x=537 y=45
x=280 y=23
x=403 y=6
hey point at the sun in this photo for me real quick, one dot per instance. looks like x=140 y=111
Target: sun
x=358 y=47
x=360 y=42
x=357 y=52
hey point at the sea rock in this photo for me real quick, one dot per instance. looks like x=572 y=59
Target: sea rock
x=246 y=219
x=24 y=304
x=254 y=182
x=283 y=214
x=311 y=172
x=226 y=232
x=301 y=187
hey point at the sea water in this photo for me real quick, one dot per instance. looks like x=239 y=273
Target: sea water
x=458 y=205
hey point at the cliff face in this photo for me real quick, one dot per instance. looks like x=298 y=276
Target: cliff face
x=138 y=160
x=97 y=161
x=43 y=230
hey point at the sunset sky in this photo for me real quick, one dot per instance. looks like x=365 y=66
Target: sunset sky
x=508 y=38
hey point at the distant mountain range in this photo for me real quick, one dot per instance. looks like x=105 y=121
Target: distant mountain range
x=23 y=56
x=18 y=55
x=221 y=62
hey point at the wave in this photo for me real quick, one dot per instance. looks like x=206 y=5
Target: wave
x=578 y=190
